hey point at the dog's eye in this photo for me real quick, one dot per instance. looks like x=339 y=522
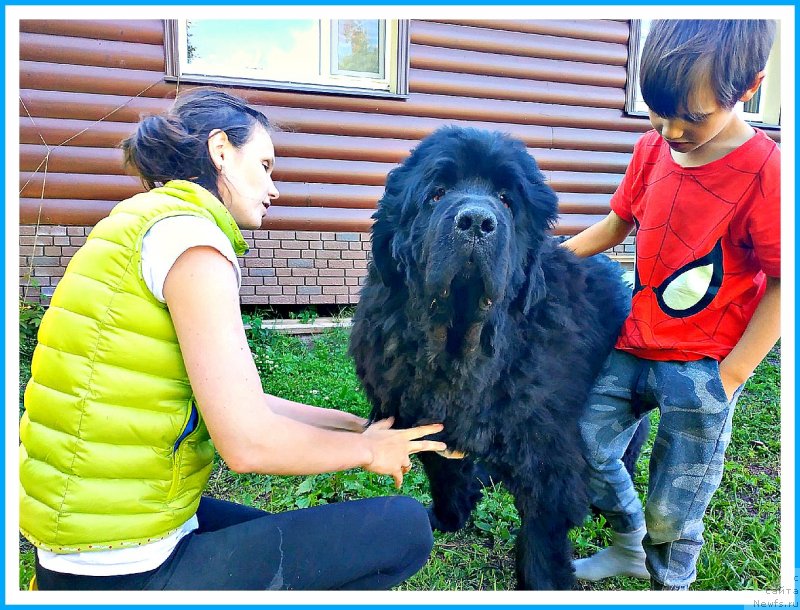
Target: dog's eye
x=504 y=199
x=438 y=193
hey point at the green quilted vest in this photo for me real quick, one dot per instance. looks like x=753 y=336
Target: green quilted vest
x=114 y=452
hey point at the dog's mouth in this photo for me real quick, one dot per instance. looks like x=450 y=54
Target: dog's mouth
x=465 y=278
x=458 y=313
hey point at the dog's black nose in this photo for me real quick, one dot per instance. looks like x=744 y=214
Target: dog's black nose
x=477 y=221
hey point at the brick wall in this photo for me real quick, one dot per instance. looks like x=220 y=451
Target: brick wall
x=625 y=251
x=281 y=268
x=303 y=267
x=43 y=255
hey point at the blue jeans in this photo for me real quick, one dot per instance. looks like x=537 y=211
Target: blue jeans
x=369 y=544
x=686 y=464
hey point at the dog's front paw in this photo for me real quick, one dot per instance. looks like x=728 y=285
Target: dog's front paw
x=441 y=525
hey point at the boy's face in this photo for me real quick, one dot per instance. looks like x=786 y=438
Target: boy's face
x=686 y=135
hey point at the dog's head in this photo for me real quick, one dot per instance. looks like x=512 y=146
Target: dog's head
x=459 y=228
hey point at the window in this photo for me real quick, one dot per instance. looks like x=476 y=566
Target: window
x=353 y=56
x=764 y=109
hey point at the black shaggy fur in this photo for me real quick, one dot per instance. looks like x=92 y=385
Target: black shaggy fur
x=472 y=315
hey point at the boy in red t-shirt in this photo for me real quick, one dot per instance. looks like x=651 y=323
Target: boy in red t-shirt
x=703 y=191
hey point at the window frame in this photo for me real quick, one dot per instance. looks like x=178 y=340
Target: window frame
x=399 y=89
x=635 y=106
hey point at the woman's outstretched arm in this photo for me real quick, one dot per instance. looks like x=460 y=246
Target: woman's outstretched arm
x=248 y=430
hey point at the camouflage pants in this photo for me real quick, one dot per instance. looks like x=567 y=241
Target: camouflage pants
x=687 y=459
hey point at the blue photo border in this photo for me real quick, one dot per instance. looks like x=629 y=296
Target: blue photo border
x=393 y=3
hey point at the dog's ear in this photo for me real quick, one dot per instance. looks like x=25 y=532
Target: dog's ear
x=382 y=259
x=387 y=222
x=542 y=209
x=538 y=199
x=535 y=289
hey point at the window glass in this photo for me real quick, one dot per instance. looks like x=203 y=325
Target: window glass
x=282 y=50
x=358 y=48
x=342 y=55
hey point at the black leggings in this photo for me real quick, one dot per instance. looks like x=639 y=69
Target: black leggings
x=367 y=544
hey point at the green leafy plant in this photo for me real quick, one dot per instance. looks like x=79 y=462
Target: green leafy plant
x=305 y=316
x=742 y=549
x=30 y=318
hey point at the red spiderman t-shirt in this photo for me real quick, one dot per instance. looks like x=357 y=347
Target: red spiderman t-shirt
x=707 y=238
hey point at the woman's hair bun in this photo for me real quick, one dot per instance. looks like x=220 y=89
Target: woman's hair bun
x=173 y=145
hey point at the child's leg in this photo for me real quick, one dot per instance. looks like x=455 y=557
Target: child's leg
x=685 y=466
x=607 y=427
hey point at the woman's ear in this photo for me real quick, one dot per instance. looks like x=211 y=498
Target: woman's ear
x=748 y=95
x=218 y=144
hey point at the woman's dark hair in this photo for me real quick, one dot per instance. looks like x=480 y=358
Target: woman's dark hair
x=681 y=54
x=174 y=145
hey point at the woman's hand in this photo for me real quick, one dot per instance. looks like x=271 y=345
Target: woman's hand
x=391 y=449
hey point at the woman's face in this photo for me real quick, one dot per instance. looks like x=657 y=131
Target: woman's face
x=245 y=178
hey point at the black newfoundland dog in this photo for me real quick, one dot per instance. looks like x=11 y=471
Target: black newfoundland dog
x=472 y=315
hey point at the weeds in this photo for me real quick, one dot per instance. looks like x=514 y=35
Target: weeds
x=742 y=549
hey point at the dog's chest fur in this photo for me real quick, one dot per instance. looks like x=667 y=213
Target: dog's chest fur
x=472 y=395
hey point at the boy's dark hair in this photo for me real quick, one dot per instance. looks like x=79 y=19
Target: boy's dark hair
x=173 y=145
x=680 y=54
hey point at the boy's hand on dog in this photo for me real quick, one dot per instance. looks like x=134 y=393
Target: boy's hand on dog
x=391 y=449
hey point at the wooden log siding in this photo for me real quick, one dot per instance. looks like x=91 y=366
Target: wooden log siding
x=557 y=85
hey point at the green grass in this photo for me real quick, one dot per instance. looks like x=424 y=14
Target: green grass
x=742 y=549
